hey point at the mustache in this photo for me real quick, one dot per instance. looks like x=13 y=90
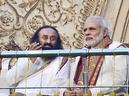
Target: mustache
x=47 y=46
x=89 y=38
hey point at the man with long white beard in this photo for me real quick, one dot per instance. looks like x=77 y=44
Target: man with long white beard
x=102 y=70
x=30 y=74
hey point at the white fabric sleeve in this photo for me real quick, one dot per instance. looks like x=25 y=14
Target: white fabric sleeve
x=62 y=78
x=20 y=70
x=113 y=72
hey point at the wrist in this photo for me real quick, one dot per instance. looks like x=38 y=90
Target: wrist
x=80 y=82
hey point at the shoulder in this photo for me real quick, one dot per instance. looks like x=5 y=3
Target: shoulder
x=115 y=44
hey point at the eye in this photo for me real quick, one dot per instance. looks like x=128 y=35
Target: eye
x=85 y=29
x=92 y=28
x=53 y=38
x=44 y=37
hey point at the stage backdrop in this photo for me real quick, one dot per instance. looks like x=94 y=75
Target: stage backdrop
x=19 y=19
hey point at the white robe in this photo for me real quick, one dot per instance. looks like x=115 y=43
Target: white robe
x=113 y=72
x=50 y=76
x=3 y=83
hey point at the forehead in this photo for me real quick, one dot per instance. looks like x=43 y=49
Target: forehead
x=92 y=23
x=48 y=31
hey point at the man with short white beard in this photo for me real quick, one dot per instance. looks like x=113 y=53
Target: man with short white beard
x=102 y=70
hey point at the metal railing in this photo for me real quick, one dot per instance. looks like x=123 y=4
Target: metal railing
x=64 y=52
x=67 y=53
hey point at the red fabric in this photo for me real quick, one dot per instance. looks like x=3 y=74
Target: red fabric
x=94 y=76
x=104 y=44
x=78 y=71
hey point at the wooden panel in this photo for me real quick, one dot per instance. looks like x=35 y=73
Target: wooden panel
x=112 y=12
x=121 y=22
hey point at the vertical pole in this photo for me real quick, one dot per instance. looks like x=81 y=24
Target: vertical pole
x=85 y=72
x=0 y=62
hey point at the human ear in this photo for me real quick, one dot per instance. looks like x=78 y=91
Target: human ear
x=105 y=32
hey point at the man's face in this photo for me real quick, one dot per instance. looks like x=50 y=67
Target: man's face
x=93 y=32
x=48 y=38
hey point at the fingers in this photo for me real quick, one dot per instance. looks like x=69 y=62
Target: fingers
x=35 y=46
x=70 y=93
x=79 y=91
x=74 y=92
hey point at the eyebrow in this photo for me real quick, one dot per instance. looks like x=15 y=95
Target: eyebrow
x=90 y=28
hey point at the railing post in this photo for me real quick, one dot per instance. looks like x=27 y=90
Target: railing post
x=0 y=62
x=85 y=72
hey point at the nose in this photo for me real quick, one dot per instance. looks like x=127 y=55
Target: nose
x=87 y=32
x=48 y=40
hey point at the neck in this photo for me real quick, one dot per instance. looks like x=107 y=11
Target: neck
x=104 y=43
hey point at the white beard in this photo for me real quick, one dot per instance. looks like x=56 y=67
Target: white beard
x=95 y=41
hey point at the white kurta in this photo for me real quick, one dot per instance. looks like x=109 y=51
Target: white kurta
x=113 y=72
x=3 y=83
x=50 y=76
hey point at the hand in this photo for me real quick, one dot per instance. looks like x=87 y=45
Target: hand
x=73 y=92
x=34 y=46
x=17 y=94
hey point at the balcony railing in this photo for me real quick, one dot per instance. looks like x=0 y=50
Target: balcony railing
x=66 y=53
